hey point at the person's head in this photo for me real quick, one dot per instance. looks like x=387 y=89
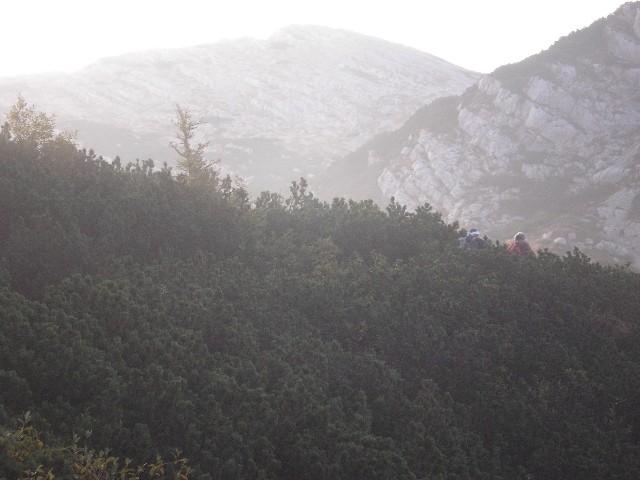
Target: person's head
x=519 y=237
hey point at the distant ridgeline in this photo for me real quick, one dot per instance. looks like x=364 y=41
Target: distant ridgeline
x=286 y=338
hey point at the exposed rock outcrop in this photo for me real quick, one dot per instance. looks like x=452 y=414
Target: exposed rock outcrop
x=274 y=109
x=550 y=145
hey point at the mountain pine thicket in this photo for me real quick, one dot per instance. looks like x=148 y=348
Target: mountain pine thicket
x=287 y=338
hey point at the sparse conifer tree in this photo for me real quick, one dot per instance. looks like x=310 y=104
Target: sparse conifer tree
x=192 y=162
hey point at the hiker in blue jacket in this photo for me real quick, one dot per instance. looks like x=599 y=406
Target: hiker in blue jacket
x=472 y=241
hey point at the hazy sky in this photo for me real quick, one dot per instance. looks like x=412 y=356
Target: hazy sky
x=50 y=35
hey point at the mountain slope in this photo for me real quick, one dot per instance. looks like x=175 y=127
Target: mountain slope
x=548 y=145
x=274 y=109
x=297 y=339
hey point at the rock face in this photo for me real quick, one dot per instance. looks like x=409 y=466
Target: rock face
x=275 y=110
x=549 y=146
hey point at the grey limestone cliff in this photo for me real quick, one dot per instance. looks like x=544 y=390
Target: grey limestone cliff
x=550 y=146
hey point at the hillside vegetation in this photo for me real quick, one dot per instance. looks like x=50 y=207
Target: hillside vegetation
x=287 y=338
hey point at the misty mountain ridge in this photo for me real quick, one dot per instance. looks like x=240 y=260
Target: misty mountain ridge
x=548 y=145
x=176 y=318
x=274 y=109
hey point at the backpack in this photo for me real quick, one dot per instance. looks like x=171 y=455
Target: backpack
x=471 y=242
x=475 y=242
x=518 y=249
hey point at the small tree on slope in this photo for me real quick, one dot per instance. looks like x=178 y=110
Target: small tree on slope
x=196 y=169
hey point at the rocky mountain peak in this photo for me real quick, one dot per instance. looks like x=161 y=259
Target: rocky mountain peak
x=275 y=109
x=548 y=145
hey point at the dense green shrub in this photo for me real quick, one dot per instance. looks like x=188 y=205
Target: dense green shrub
x=293 y=338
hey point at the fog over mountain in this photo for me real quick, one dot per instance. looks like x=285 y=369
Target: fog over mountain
x=274 y=109
x=549 y=145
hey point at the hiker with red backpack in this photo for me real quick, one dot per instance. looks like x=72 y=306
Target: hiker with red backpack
x=519 y=247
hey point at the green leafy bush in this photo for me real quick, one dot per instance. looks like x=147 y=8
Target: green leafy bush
x=293 y=338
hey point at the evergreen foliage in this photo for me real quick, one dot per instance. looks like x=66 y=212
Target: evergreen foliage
x=289 y=338
x=195 y=168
